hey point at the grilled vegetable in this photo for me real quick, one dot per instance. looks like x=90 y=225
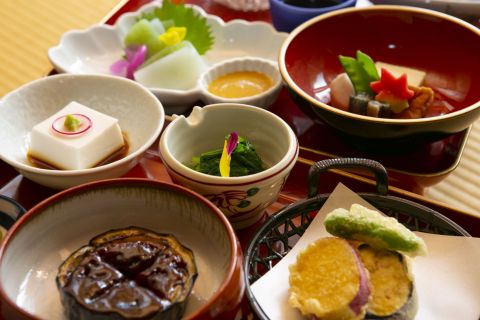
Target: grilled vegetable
x=128 y=273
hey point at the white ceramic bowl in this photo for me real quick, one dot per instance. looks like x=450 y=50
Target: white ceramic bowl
x=262 y=100
x=140 y=114
x=93 y=50
x=242 y=199
x=48 y=233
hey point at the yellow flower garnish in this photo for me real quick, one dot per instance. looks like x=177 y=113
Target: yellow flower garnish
x=173 y=35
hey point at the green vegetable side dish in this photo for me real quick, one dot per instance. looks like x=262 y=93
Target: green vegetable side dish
x=362 y=224
x=71 y=123
x=244 y=161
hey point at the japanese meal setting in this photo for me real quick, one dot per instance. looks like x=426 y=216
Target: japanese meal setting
x=249 y=159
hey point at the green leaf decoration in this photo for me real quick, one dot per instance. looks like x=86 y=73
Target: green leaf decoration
x=199 y=32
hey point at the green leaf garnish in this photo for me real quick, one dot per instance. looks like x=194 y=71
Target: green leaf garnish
x=199 y=32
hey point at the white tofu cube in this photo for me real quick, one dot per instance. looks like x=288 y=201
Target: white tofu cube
x=414 y=77
x=80 y=151
x=179 y=70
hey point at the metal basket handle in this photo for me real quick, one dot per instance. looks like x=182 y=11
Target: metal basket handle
x=375 y=167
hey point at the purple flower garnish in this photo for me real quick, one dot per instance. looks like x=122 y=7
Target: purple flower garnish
x=134 y=58
x=232 y=143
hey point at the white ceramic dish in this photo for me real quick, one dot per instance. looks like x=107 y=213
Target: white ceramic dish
x=459 y=8
x=36 y=246
x=242 y=199
x=139 y=112
x=93 y=50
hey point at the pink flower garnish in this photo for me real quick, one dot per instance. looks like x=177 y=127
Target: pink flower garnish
x=232 y=143
x=135 y=57
x=59 y=125
x=228 y=148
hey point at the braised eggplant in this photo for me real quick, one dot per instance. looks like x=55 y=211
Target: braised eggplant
x=130 y=273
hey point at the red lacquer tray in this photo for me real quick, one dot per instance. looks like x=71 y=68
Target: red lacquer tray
x=414 y=170
x=317 y=142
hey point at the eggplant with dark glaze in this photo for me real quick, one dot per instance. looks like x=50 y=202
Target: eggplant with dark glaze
x=130 y=273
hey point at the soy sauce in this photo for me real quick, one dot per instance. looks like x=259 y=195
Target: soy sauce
x=313 y=3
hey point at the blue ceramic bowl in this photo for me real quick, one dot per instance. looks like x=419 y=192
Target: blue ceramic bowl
x=286 y=17
x=10 y=211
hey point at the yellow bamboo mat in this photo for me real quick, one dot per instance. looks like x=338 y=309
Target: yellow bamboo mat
x=30 y=27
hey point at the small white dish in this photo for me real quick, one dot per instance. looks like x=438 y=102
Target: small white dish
x=262 y=100
x=139 y=112
x=459 y=8
x=243 y=199
x=93 y=50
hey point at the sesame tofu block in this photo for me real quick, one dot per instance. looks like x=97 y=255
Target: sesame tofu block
x=66 y=150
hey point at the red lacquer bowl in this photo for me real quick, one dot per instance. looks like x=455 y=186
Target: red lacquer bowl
x=445 y=47
x=38 y=243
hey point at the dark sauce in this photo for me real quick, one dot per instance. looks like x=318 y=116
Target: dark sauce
x=114 y=156
x=313 y=3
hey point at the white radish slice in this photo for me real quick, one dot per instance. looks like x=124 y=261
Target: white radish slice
x=179 y=70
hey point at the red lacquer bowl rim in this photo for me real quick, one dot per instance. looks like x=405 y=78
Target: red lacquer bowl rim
x=316 y=103
x=234 y=266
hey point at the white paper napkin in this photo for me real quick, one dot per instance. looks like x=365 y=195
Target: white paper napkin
x=447 y=279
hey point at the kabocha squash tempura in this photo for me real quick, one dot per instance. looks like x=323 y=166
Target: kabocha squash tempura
x=384 y=91
x=365 y=273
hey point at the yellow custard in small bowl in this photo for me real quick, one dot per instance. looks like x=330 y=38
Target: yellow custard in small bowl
x=240 y=84
x=248 y=80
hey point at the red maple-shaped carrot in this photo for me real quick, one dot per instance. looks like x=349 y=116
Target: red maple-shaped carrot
x=397 y=87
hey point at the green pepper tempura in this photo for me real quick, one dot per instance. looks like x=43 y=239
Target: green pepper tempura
x=244 y=160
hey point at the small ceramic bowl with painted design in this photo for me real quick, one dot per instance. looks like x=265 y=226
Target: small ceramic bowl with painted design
x=238 y=156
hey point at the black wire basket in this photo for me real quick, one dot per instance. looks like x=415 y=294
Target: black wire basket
x=283 y=229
